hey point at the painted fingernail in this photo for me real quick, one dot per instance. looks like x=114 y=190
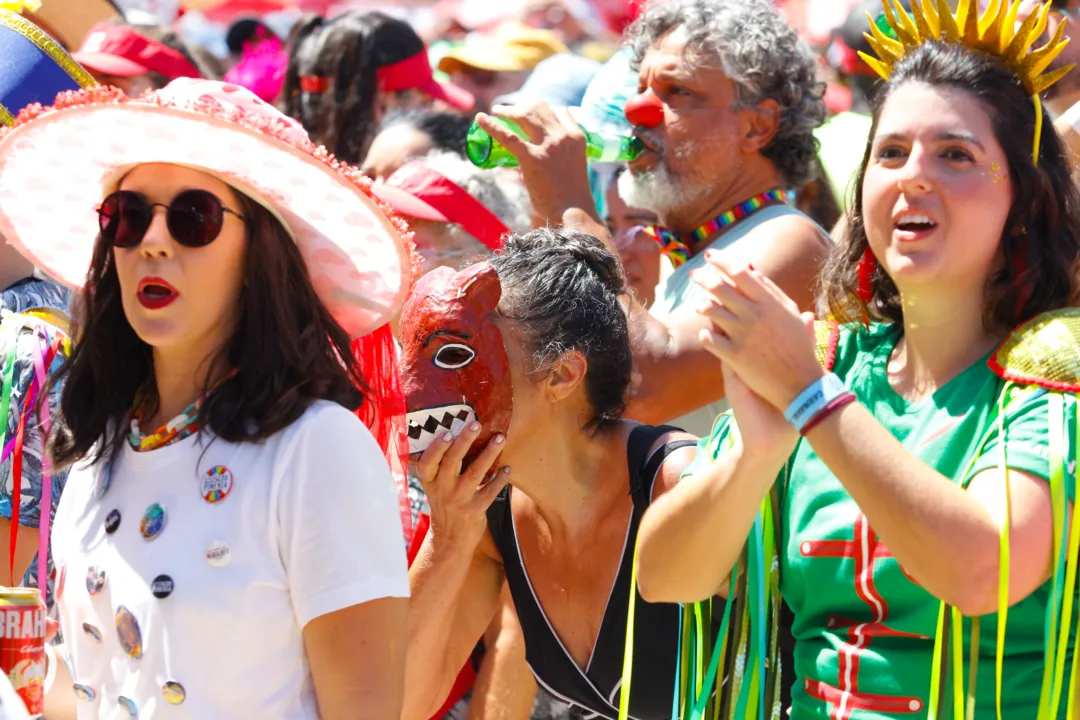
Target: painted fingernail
x=750 y=266
x=499 y=439
x=474 y=427
x=448 y=436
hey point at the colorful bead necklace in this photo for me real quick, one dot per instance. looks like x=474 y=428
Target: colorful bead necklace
x=676 y=248
x=183 y=425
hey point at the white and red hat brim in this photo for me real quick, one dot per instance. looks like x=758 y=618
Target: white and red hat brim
x=57 y=164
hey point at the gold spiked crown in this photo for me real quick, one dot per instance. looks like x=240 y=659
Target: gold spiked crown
x=994 y=33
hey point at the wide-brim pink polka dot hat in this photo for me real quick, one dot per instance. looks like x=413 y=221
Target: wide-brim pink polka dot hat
x=58 y=163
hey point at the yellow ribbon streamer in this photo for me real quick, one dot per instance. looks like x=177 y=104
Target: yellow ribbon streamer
x=20 y=5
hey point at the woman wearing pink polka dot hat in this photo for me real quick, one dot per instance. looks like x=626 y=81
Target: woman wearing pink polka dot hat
x=229 y=408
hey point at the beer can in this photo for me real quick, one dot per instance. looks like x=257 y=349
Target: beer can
x=22 y=645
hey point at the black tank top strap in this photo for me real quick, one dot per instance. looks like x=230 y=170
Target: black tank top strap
x=644 y=465
x=498 y=516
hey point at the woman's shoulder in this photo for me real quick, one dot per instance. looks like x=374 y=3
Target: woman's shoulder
x=329 y=427
x=671 y=447
x=1044 y=352
x=327 y=412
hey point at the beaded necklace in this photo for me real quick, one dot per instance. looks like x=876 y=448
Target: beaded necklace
x=183 y=425
x=676 y=248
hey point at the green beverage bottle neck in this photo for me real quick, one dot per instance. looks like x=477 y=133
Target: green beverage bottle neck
x=610 y=148
x=485 y=152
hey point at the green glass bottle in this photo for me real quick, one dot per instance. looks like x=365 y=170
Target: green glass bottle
x=486 y=152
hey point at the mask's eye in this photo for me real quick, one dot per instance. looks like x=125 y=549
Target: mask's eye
x=453 y=356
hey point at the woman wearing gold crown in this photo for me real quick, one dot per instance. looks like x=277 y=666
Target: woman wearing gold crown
x=907 y=488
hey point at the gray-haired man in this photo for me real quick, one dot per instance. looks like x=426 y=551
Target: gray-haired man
x=726 y=108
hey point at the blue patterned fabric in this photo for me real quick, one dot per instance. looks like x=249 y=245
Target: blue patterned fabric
x=32 y=293
x=20 y=298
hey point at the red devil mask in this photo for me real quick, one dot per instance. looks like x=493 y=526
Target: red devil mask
x=453 y=357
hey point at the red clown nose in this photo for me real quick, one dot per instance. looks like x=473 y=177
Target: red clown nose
x=644 y=110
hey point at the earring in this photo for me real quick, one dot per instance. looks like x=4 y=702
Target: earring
x=866 y=282
x=866 y=276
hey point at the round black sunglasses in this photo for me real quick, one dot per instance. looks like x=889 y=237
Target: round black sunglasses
x=194 y=218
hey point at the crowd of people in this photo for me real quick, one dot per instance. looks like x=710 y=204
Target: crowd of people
x=305 y=414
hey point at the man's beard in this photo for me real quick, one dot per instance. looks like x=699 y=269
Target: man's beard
x=657 y=190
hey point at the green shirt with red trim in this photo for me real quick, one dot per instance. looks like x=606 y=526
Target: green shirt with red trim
x=864 y=630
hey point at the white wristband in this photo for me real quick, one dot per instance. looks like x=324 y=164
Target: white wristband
x=811 y=400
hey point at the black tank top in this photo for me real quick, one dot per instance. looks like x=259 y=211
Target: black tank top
x=656 y=625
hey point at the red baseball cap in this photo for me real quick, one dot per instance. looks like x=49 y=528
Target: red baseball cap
x=415 y=73
x=412 y=73
x=113 y=49
x=418 y=191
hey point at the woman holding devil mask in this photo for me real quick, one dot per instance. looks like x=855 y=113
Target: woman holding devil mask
x=526 y=359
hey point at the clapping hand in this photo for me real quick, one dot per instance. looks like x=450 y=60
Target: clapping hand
x=765 y=343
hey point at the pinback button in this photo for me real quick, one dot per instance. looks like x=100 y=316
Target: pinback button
x=84 y=692
x=216 y=484
x=92 y=631
x=95 y=580
x=129 y=705
x=218 y=554
x=162 y=587
x=174 y=693
x=127 y=629
x=112 y=521
x=153 y=521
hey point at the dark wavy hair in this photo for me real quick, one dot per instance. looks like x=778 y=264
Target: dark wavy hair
x=349 y=50
x=562 y=289
x=288 y=351
x=1042 y=231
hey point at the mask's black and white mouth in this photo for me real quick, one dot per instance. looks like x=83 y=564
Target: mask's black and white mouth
x=425 y=425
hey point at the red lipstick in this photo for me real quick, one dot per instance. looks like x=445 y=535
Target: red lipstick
x=154 y=293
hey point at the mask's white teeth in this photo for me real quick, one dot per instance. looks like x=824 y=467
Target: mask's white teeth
x=424 y=425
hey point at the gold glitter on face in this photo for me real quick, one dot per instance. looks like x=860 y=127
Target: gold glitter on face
x=997 y=175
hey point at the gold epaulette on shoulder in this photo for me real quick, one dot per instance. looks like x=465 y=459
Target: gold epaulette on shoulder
x=827 y=334
x=1044 y=351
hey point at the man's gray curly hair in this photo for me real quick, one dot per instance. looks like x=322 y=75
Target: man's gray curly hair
x=765 y=57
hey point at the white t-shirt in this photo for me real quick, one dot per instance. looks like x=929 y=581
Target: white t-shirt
x=257 y=540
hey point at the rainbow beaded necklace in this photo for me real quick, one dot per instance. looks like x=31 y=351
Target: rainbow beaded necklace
x=180 y=427
x=675 y=246
x=183 y=425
